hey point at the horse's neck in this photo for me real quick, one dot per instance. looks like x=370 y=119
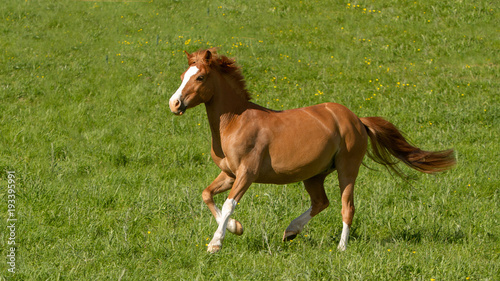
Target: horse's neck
x=226 y=105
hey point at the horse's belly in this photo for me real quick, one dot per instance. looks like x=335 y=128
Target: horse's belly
x=301 y=158
x=284 y=175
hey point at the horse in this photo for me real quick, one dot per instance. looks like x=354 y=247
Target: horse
x=254 y=144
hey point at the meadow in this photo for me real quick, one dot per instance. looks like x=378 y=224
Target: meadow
x=108 y=182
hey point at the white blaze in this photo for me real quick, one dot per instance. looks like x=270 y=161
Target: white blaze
x=189 y=73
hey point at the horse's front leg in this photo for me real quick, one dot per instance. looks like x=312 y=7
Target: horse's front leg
x=240 y=186
x=222 y=183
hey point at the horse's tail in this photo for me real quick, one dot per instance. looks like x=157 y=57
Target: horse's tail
x=387 y=140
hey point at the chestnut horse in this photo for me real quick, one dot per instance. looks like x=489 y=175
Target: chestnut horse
x=251 y=143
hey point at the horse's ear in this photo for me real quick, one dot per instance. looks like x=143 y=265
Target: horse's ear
x=207 y=56
x=188 y=55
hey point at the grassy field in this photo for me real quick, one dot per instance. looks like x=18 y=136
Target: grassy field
x=108 y=182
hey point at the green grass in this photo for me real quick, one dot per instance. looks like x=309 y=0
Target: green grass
x=109 y=182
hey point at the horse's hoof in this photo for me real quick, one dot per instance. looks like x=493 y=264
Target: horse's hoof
x=235 y=227
x=289 y=235
x=342 y=247
x=238 y=229
x=212 y=249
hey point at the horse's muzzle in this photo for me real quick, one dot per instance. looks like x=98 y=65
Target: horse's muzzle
x=177 y=107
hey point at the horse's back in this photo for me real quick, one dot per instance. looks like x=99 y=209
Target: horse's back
x=335 y=118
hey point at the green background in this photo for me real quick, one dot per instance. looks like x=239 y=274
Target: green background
x=109 y=182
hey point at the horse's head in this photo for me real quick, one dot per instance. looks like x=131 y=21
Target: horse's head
x=196 y=86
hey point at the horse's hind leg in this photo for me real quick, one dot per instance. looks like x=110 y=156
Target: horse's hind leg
x=315 y=187
x=347 y=168
x=222 y=183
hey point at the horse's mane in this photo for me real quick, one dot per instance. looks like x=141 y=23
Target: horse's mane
x=224 y=65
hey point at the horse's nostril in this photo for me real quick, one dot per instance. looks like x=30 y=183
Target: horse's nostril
x=177 y=103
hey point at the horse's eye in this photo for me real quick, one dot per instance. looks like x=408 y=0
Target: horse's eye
x=200 y=78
